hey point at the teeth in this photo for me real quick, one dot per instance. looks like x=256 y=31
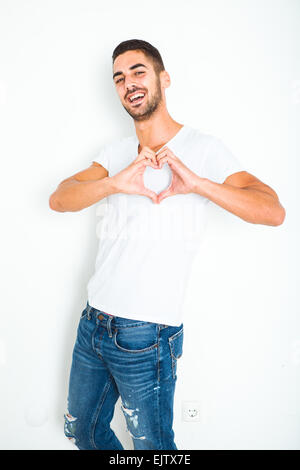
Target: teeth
x=137 y=95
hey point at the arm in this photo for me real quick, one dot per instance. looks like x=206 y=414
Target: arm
x=82 y=189
x=245 y=196
x=241 y=193
x=93 y=184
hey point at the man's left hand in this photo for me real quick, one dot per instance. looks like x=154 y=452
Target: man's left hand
x=183 y=179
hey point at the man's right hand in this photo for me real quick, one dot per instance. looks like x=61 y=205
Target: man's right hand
x=130 y=180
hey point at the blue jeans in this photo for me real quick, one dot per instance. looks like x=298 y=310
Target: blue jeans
x=137 y=360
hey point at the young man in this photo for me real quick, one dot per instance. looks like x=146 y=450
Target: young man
x=157 y=184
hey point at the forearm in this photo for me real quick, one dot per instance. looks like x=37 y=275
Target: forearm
x=76 y=195
x=250 y=204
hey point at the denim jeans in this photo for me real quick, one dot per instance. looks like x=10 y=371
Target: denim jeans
x=136 y=360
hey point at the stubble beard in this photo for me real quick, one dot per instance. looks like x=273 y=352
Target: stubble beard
x=145 y=114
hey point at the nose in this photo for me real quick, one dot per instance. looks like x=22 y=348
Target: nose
x=130 y=87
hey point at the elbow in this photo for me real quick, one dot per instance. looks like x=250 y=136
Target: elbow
x=54 y=203
x=280 y=216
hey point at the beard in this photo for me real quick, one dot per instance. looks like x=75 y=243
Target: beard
x=145 y=111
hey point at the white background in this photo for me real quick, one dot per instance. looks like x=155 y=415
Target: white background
x=235 y=73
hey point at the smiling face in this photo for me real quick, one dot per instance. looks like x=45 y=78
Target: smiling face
x=133 y=74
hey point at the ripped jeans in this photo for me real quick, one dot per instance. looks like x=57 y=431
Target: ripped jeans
x=137 y=360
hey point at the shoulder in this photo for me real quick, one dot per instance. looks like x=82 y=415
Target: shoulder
x=199 y=138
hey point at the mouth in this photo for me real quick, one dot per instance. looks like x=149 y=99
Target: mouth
x=136 y=98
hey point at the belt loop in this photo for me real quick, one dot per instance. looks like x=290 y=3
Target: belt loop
x=109 y=326
x=89 y=308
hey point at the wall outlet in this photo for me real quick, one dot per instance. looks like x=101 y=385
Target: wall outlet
x=191 y=411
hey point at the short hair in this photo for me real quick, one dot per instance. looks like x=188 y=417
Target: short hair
x=138 y=44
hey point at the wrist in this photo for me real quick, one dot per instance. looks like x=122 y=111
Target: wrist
x=199 y=185
x=110 y=185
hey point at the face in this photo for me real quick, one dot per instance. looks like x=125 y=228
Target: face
x=131 y=78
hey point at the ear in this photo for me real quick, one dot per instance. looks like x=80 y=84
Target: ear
x=165 y=79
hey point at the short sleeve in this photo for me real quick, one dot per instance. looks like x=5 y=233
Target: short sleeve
x=220 y=162
x=102 y=158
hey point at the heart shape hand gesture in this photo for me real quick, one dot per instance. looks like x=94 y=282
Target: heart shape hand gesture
x=130 y=180
x=183 y=179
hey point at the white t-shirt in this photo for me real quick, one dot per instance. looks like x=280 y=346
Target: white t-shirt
x=146 y=250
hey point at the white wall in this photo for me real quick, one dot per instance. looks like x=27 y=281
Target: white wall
x=235 y=73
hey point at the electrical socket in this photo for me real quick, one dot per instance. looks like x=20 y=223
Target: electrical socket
x=191 y=411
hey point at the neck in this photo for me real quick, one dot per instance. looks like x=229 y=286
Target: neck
x=156 y=132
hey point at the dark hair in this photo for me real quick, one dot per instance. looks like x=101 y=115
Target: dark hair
x=137 y=44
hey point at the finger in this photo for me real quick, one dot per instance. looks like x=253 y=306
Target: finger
x=143 y=153
x=151 y=155
x=148 y=157
x=165 y=193
x=163 y=149
x=145 y=162
x=146 y=151
x=165 y=159
x=153 y=159
x=142 y=156
x=164 y=152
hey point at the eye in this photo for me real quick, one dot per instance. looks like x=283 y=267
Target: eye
x=117 y=81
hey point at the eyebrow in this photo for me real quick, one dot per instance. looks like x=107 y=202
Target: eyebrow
x=130 y=68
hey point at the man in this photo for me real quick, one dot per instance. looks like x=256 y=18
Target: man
x=157 y=184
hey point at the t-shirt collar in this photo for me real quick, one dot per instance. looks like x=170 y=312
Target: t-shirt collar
x=171 y=141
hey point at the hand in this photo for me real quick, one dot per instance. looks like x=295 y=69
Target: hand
x=183 y=179
x=130 y=180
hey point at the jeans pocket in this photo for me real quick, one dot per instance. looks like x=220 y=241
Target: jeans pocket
x=176 y=349
x=136 y=339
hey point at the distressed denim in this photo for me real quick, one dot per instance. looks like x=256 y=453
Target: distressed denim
x=136 y=360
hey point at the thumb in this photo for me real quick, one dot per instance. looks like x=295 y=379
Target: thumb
x=165 y=193
x=151 y=194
